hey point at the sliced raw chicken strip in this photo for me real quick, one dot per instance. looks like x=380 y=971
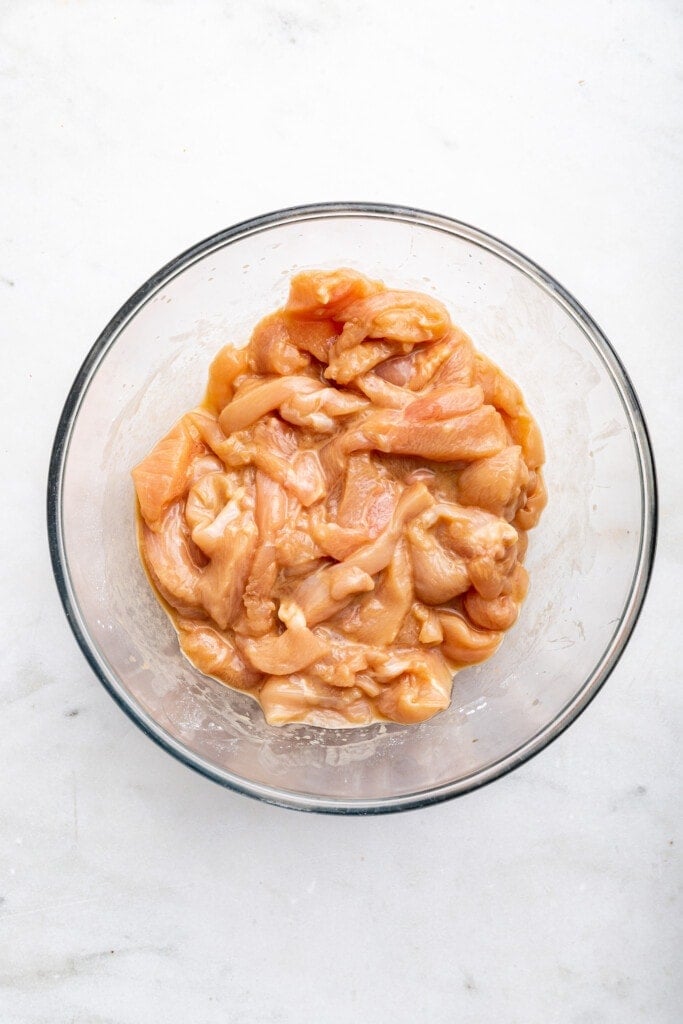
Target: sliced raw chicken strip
x=473 y=435
x=161 y=477
x=322 y=293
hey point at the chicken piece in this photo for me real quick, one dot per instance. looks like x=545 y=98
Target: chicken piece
x=230 y=364
x=270 y=516
x=161 y=477
x=291 y=651
x=268 y=436
x=398 y=370
x=431 y=631
x=249 y=404
x=525 y=432
x=422 y=687
x=271 y=508
x=467 y=437
x=463 y=644
x=225 y=531
x=315 y=294
x=313 y=336
x=497 y=484
x=375 y=556
x=333 y=457
x=473 y=533
x=173 y=562
x=273 y=448
x=487 y=544
x=319 y=410
x=327 y=591
x=445 y=402
x=407 y=317
x=224 y=579
x=439 y=373
x=415 y=698
x=536 y=501
x=206 y=424
x=343 y=663
x=517 y=584
x=206 y=503
x=345 y=366
x=458 y=369
x=501 y=612
x=448 y=362
x=369 y=496
x=201 y=466
x=214 y=653
x=490 y=577
x=522 y=543
x=408 y=635
x=298 y=698
x=296 y=549
x=381 y=393
x=500 y=391
x=365 y=507
x=335 y=541
x=304 y=478
x=377 y=618
x=208 y=497
x=439 y=575
x=271 y=349
x=415 y=370
x=439 y=477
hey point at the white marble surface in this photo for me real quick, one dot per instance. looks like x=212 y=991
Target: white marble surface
x=131 y=889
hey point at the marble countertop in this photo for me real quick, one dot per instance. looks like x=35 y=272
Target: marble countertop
x=131 y=889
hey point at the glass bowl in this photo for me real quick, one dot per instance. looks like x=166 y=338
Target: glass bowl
x=589 y=559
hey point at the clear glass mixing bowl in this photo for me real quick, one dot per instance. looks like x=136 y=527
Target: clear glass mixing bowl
x=589 y=560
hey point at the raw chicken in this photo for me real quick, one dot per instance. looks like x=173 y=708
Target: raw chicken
x=496 y=483
x=340 y=526
x=323 y=293
x=473 y=435
x=163 y=476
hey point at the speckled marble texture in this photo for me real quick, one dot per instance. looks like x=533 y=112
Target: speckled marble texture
x=131 y=890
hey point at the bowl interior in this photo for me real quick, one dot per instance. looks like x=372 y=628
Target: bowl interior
x=587 y=559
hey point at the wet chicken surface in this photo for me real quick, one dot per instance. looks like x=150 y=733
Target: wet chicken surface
x=341 y=525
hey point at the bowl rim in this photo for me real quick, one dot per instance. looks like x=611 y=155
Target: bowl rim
x=648 y=490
